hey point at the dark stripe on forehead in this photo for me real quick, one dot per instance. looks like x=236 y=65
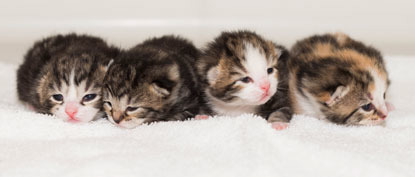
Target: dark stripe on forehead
x=109 y=89
x=93 y=77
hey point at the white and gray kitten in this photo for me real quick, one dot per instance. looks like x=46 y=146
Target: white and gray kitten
x=244 y=73
x=62 y=75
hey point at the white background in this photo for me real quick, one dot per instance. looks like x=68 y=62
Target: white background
x=388 y=25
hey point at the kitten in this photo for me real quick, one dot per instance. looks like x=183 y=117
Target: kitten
x=62 y=75
x=152 y=82
x=339 y=79
x=240 y=71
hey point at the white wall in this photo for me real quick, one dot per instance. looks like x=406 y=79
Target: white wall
x=388 y=25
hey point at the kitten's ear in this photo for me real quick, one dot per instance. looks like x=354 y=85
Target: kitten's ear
x=212 y=75
x=163 y=87
x=281 y=52
x=105 y=67
x=337 y=95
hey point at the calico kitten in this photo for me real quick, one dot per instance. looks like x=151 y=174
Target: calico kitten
x=152 y=82
x=63 y=74
x=339 y=79
x=241 y=72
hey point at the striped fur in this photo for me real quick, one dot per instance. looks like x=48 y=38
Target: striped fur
x=72 y=66
x=152 y=82
x=339 y=79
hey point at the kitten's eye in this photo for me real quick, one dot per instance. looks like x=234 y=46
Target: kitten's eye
x=89 y=97
x=368 y=107
x=57 y=97
x=131 y=109
x=270 y=70
x=246 y=79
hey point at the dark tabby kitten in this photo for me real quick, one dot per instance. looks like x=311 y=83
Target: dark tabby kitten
x=154 y=81
x=336 y=78
x=241 y=73
x=63 y=74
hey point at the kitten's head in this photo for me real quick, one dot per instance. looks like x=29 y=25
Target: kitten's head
x=241 y=68
x=352 y=97
x=71 y=86
x=139 y=88
x=348 y=80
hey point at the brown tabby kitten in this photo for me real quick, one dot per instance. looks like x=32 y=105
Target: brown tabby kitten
x=241 y=72
x=152 y=82
x=63 y=74
x=336 y=78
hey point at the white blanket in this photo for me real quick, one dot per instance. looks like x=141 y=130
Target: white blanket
x=32 y=144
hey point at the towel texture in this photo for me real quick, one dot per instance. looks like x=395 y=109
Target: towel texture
x=32 y=144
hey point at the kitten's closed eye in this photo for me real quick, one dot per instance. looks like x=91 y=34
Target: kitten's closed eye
x=131 y=109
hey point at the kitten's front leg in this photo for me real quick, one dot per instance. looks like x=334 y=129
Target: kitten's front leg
x=280 y=119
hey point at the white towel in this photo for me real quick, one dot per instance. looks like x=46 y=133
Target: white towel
x=32 y=144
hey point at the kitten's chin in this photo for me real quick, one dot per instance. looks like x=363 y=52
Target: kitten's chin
x=261 y=101
x=264 y=99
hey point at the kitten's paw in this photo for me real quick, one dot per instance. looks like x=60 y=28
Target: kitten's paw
x=201 y=117
x=279 y=125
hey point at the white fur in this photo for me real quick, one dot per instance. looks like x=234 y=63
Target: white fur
x=230 y=109
x=251 y=96
x=256 y=66
x=73 y=93
x=256 y=63
x=380 y=89
x=308 y=106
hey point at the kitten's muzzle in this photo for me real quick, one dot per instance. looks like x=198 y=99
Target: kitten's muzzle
x=117 y=116
x=382 y=110
x=71 y=109
x=265 y=85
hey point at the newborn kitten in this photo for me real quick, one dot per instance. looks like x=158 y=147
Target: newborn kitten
x=240 y=72
x=339 y=79
x=151 y=82
x=63 y=74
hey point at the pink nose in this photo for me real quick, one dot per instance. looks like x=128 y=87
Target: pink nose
x=382 y=115
x=71 y=109
x=265 y=85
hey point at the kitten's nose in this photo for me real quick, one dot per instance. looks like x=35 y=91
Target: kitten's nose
x=382 y=115
x=382 y=110
x=117 y=117
x=71 y=109
x=264 y=85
